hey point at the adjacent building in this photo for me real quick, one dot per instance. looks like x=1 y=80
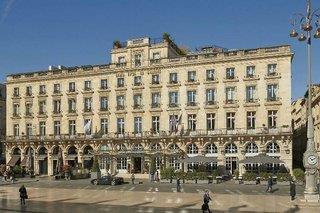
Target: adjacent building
x=2 y=121
x=299 y=125
x=157 y=102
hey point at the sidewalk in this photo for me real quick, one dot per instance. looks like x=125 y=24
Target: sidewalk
x=19 y=181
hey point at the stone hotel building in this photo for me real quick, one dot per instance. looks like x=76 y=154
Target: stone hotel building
x=154 y=101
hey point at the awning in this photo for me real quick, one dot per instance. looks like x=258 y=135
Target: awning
x=13 y=161
x=261 y=158
x=199 y=159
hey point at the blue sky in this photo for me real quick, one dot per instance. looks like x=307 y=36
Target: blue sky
x=37 y=33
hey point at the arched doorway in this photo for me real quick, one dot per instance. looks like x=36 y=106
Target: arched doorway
x=231 y=153
x=43 y=161
x=55 y=159
x=87 y=157
x=28 y=160
x=72 y=156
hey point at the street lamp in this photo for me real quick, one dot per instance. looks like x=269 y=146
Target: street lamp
x=310 y=157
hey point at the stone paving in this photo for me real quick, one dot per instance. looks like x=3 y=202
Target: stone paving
x=146 y=197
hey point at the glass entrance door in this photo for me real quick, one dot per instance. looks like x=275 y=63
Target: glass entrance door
x=231 y=164
x=137 y=165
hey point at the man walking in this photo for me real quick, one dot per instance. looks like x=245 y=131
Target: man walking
x=206 y=200
x=292 y=190
x=178 y=185
x=23 y=195
x=269 y=185
x=132 y=178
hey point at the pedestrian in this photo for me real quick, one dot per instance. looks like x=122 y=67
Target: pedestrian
x=157 y=176
x=178 y=184
x=292 y=190
x=132 y=178
x=269 y=184
x=206 y=200
x=5 y=175
x=23 y=195
x=12 y=177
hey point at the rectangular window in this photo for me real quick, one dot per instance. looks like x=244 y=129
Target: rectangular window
x=16 y=92
x=155 y=100
x=72 y=127
x=87 y=104
x=155 y=79
x=272 y=92
x=174 y=163
x=120 y=102
x=56 y=106
x=137 y=60
x=211 y=121
x=42 y=89
x=272 y=69
x=87 y=126
x=87 y=85
x=137 y=101
x=120 y=125
x=104 y=84
x=137 y=125
x=210 y=75
x=272 y=119
x=28 y=109
x=72 y=86
x=210 y=96
x=56 y=127
x=29 y=129
x=122 y=163
x=192 y=76
x=230 y=94
x=250 y=93
x=230 y=73
x=173 y=123
x=192 y=122
x=251 y=120
x=173 y=78
x=104 y=126
x=250 y=71
x=120 y=82
x=28 y=91
x=137 y=80
x=191 y=98
x=155 y=124
x=230 y=120
x=42 y=128
x=16 y=129
x=104 y=103
x=56 y=88
x=42 y=107
x=16 y=109
x=173 y=99
x=156 y=56
x=72 y=105
x=121 y=60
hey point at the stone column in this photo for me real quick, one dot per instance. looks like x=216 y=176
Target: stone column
x=50 y=164
x=80 y=159
x=241 y=165
x=36 y=164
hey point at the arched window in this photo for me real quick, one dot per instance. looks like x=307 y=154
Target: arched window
x=42 y=151
x=72 y=150
x=192 y=149
x=211 y=149
x=16 y=151
x=122 y=147
x=231 y=148
x=251 y=148
x=156 y=146
x=272 y=148
x=173 y=147
x=55 y=150
x=87 y=150
x=104 y=148
x=137 y=147
x=29 y=150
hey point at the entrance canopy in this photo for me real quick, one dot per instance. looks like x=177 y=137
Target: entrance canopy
x=199 y=159
x=13 y=161
x=261 y=158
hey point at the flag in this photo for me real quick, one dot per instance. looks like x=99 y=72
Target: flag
x=87 y=127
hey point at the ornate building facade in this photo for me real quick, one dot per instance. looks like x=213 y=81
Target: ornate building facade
x=2 y=120
x=154 y=101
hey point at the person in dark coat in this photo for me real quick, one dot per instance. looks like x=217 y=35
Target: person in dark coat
x=206 y=200
x=23 y=195
x=292 y=190
x=178 y=184
x=269 y=185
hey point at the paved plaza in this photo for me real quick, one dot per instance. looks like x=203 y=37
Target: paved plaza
x=81 y=196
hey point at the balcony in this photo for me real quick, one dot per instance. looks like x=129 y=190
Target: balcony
x=137 y=85
x=87 y=111
x=57 y=93
x=173 y=83
x=155 y=105
x=211 y=104
x=211 y=80
x=155 y=84
x=120 y=107
x=28 y=115
x=16 y=115
x=16 y=96
x=121 y=87
x=56 y=113
x=251 y=78
x=251 y=102
x=155 y=61
x=272 y=101
x=122 y=64
x=42 y=114
x=230 y=79
x=72 y=92
x=272 y=75
x=137 y=108
x=29 y=95
x=87 y=91
x=231 y=104
x=42 y=94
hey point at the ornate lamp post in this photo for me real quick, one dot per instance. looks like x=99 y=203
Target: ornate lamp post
x=310 y=157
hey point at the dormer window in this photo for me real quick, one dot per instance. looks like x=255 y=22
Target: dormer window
x=16 y=92
x=250 y=71
x=156 y=56
x=56 y=88
x=42 y=89
x=137 y=60
x=121 y=60
x=87 y=85
x=29 y=91
x=72 y=86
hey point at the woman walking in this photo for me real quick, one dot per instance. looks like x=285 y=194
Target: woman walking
x=23 y=195
x=292 y=190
